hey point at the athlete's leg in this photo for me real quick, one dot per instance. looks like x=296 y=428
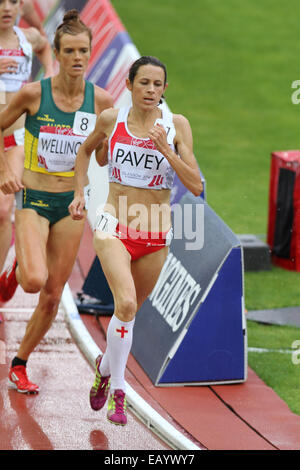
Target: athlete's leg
x=31 y=240
x=62 y=247
x=145 y=273
x=16 y=160
x=32 y=233
x=6 y=205
x=115 y=262
x=127 y=282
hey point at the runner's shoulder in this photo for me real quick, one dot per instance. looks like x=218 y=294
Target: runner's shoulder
x=108 y=116
x=31 y=90
x=35 y=38
x=103 y=99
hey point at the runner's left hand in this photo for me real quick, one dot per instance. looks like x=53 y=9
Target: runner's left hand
x=77 y=208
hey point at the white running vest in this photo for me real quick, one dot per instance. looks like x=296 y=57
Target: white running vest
x=12 y=82
x=133 y=161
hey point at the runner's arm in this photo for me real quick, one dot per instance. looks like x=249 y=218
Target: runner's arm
x=186 y=166
x=93 y=142
x=30 y=15
x=103 y=101
x=41 y=48
x=21 y=103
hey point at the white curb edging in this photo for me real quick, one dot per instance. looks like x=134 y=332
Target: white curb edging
x=137 y=404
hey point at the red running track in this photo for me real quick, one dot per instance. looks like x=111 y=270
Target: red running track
x=59 y=417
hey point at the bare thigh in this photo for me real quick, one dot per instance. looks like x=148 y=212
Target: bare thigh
x=145 y=273
x=129 y=281
x=62 y=248
x=32 y=233
x=116 y=264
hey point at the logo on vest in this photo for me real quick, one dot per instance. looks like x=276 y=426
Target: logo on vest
x=45 y=118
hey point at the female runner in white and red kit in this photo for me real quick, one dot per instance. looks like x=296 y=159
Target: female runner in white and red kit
x=144 y=145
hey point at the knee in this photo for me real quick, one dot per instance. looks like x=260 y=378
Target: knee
x=33 y=282
x=125 y=309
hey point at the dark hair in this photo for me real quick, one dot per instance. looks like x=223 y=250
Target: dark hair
x=145 y=60
x=73 y=25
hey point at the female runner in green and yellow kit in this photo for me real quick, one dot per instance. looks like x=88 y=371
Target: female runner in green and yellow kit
x=60 y=112
x=51 y=145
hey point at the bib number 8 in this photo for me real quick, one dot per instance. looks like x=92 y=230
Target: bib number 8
x=84 y=123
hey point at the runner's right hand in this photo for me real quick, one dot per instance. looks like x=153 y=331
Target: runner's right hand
x=9 y=182
x=8 y=65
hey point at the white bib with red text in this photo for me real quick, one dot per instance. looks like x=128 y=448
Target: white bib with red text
x=57 y=148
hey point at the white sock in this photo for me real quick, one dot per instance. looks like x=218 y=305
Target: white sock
x=119 y=341
x=104 y=366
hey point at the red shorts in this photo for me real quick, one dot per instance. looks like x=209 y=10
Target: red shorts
x=137 y=243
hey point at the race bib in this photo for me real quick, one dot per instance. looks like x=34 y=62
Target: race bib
x=84 y=123
x=57 y=148
x=106 y=222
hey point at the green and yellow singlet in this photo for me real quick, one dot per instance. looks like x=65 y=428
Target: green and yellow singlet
x=53 y=137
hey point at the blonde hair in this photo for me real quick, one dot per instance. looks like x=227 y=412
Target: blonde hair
x=73 y=25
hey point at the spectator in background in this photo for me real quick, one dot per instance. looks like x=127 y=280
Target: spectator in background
x=16 y=50
x=30 y=15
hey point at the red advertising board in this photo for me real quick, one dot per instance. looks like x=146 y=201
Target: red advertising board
x=104 y=23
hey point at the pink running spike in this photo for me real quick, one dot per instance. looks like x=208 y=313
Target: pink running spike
x=100 y=388
x=117 y=406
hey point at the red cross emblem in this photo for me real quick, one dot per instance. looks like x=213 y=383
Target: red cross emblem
x=122 y=331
